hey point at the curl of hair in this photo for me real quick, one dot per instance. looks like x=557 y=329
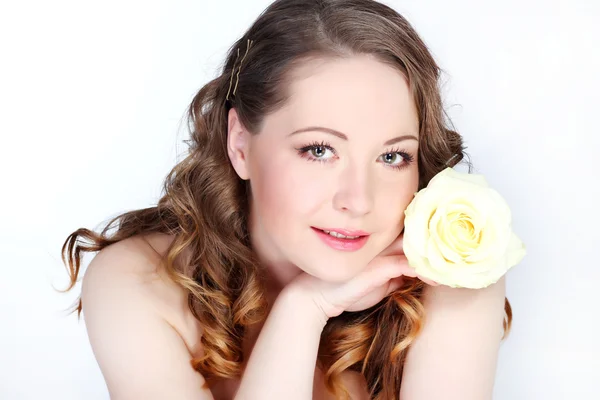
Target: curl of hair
x=205 y=205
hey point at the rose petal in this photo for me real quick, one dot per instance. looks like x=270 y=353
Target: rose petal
x=458 y=232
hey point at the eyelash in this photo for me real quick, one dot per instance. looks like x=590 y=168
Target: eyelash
x=303 y=152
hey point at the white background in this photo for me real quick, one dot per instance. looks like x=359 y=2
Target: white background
x=92 y=96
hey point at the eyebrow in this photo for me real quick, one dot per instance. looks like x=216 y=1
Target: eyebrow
x=344 y=137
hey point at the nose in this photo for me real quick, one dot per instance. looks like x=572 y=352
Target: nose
x=354 y=194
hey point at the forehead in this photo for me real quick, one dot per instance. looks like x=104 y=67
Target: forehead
x=354 y=95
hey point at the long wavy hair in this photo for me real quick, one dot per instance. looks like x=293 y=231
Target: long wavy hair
x=204 y=205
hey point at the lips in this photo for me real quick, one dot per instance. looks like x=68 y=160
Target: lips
x=345 y=232
x=342 y=239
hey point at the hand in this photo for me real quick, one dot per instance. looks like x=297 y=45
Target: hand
x=383 y=275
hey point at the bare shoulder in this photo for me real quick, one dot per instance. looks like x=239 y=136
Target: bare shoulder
x=460 y=340
x=137 y=257
x=141 y=331
x=134 y=266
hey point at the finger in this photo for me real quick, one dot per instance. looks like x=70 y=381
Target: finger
x=394 y=285
x=401 y=262
x=379 y=272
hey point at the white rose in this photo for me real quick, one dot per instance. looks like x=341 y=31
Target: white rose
x=457 y=232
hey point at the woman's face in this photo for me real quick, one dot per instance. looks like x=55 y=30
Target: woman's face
x=340 y=156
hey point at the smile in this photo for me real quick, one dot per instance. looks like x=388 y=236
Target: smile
x=339 y=235
x=340 y=239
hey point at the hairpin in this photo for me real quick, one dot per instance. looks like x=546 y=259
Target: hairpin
x=248 y=45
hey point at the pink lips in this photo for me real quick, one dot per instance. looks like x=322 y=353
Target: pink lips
x=340 y=243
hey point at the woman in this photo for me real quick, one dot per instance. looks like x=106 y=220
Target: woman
x=272 y=266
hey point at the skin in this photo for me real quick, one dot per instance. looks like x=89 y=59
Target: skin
x=143 y=334
x=353 y=189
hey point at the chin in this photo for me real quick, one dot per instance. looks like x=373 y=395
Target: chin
x=328 y=273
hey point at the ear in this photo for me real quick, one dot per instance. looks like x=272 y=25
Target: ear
x=238 y=144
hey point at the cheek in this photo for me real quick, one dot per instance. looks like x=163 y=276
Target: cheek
x=283 y=191
x=393 y=202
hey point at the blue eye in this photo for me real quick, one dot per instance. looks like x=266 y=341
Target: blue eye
x=396 y=159
x=320 y=152
x=392 y=158
x=317 y=151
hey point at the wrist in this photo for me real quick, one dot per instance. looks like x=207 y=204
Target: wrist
x=298 y=300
